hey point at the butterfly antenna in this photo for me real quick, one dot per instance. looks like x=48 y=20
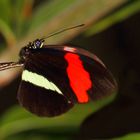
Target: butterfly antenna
x=63 y=30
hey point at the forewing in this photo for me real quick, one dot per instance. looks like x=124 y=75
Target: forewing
x=102 y=80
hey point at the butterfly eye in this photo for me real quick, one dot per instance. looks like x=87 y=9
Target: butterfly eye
x=37 y=44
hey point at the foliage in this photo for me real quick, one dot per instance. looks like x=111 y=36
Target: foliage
x=17 y=120
x=26 y=20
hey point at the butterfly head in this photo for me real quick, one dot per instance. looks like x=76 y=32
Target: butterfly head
x=36 y=44
x=25 y=51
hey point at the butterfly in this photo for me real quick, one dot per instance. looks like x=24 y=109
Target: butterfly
x=56 y=77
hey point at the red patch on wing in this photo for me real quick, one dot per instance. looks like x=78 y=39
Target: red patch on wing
x=79 y=78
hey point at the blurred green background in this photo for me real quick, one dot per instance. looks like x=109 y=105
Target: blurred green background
x=111 y=31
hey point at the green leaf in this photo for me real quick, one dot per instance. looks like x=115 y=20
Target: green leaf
x=18 y=120
x=5 y=11
x=7 y=32
x=131 y=136
x=57 y=14
x=21 y=11
x=117 y=16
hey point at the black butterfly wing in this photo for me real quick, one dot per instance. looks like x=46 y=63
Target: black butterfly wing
x=71 y=75
x=103 y=82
